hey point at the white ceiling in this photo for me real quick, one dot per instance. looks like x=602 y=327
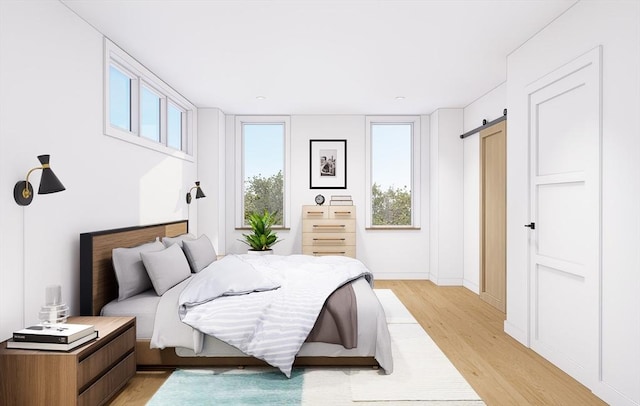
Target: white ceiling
x=323 y=57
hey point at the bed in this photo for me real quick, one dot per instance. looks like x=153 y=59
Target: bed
x=99 y=296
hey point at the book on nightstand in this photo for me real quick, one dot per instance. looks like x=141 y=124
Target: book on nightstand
x=57 y=334
x=30 y=345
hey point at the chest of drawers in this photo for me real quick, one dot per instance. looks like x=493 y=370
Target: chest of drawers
x=329 y=230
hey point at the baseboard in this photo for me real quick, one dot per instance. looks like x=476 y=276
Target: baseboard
x=612 y=396
x=448 y=281
x=401 y=275
x=517 y=333
x=471 y=286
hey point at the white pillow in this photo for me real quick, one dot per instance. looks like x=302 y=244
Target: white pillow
x=130 y=273
x=166 y=268
x=200 y=253
x=167 y=241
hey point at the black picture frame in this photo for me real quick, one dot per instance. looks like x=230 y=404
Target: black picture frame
x=328 y=164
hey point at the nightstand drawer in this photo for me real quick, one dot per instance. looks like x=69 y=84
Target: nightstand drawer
x=96 y=364
x=316 y=239
x=111 y=382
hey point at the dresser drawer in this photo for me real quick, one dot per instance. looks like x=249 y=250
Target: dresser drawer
x=315 y=212
x=342 y=212
x=101 y=360
x=349 y=251
x=324 y=239
x=329 y=226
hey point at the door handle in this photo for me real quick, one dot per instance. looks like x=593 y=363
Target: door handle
x=531 y=226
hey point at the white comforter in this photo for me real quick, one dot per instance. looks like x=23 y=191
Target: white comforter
x=272 y=322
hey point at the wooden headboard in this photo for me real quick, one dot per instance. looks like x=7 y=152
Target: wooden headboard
x=98 y=285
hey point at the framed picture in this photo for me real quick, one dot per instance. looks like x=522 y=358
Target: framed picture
x=328 y=164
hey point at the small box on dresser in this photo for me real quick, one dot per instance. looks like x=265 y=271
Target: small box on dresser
x=329 y=230
x=88 y=375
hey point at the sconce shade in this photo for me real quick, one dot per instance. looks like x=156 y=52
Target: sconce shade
x=199 y=193
x=49 y=183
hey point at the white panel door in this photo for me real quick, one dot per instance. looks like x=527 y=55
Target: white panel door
x=565 y=216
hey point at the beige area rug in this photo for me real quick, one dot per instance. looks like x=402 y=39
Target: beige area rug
x=422 y=374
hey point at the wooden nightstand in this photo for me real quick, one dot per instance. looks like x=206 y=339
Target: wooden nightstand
x=89 y=375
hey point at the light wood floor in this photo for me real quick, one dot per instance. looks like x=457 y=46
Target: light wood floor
x=470 y=333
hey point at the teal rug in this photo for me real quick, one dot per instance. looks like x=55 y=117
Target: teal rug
x=230 y=387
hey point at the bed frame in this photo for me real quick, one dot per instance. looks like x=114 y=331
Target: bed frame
x=98 y=286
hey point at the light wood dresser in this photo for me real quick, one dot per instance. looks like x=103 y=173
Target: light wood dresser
x=329 y=230
x=89 y=375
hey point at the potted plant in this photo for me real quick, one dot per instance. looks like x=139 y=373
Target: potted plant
x=262 y=238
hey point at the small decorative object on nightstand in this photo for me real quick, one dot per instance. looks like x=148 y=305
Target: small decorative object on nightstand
x=319 y=200
x=53 y=311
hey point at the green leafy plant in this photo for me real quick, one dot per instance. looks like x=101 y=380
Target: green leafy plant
x=262 y=238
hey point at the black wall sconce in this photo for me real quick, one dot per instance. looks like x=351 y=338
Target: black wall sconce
x=199 y=193
x=49 y=183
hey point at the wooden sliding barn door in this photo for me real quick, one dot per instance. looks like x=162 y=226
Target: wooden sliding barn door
x=493 y=218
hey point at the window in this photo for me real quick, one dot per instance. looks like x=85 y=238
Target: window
x=142 y=109
x=149 y=114
x=174 y=127
x=261 y=155
x=393 y=171
x=120 y=100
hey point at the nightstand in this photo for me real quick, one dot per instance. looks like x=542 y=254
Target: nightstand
x=89 y=375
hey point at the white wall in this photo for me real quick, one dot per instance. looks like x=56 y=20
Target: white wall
x=615 y=25
x=488 y=107
x=446 y=197
x=211 y=173
x=51 y=65
x=399 y=254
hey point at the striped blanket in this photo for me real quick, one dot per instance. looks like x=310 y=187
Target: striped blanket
x=267 y=324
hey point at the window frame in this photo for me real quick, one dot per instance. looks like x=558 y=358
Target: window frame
x=415 y=122
x=239 y=170
x=141 y=76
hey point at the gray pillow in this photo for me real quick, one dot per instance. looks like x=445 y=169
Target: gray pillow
x=166 y=268
x=130 y=273
x=200 y=253
x=167 y=241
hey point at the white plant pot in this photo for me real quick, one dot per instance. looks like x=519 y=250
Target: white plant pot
x=255 y=252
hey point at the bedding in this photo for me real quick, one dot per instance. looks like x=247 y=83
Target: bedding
x=337 y=322
x=168 y=241
x=305 y=283
x=199 y=252
x=142 y=306
x=166 y=268
x=130 y=272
